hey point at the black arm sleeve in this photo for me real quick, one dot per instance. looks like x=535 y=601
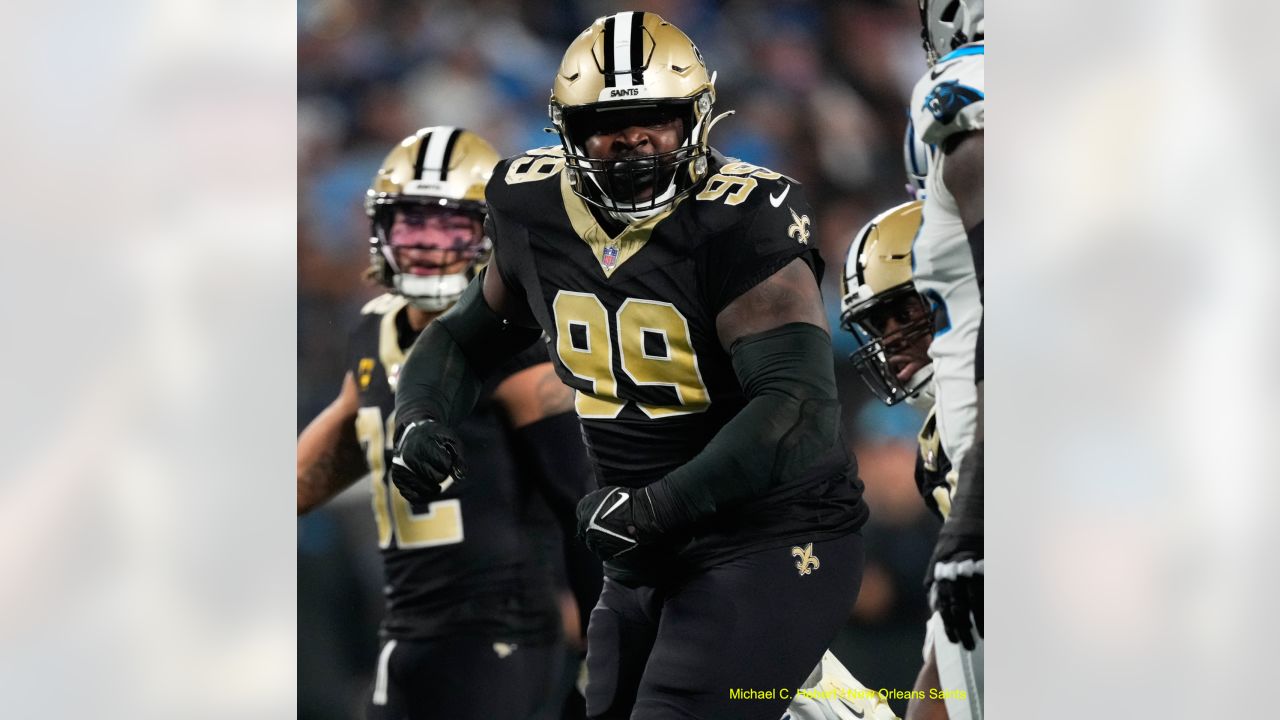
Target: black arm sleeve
x=792 y=418
x=443 y=375
x=553 y=450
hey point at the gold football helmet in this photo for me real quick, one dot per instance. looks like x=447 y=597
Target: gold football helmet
x=433 y=170
x=633 y=61
x=881 y=308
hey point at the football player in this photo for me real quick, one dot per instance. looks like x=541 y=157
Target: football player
x=679 y=292
x=472 y=625
x=948 y=112
x=893 y=325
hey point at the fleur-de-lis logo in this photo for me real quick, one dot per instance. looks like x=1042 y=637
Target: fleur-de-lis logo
x=808 y=562
x=800 y=228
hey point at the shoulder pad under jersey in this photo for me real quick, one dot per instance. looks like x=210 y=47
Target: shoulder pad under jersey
x=951 y=96
x=383 y=304
x=738 y=192
x=533 y=165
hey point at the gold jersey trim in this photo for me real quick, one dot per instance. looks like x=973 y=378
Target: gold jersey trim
x=628 y=242
x=389 y=352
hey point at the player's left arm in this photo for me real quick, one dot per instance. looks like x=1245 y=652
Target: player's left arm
x=777 y=337
x=547 y=443
x=760 y=280
x=962 y=173
x=958 y=565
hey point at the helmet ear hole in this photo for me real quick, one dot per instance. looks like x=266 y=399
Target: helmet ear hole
x=949 y=12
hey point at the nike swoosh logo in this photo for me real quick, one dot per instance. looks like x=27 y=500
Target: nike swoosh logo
x=849 y=704
x=622 y=498
x=933 y=75
x=777 y=201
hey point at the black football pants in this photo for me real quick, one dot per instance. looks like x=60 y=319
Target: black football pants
x=462 y=678
x=755 y=623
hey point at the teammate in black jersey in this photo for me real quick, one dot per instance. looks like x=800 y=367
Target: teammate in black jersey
x=679 y=293
x=472 y=628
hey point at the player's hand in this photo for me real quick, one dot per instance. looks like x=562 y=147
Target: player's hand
x=614 y=520
x=957 y=594
x=427 y=461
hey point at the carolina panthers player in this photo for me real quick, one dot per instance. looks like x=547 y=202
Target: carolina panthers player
x=679 y=290
x=948 y=108
x=471 y=627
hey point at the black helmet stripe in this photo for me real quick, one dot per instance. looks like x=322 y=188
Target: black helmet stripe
x=637 y=48
x=609 y=78
x=422 y=155
x=434 y=151
x=624 y=49
x=446 y=159
x=860 y=247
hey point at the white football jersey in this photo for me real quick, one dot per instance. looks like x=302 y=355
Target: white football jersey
x=949 y=99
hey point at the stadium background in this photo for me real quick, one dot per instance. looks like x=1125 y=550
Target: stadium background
x=820 y=91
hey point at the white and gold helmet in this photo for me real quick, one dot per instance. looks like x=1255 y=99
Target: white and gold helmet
x=948 y=24
x=629 y=61
x=436 y=167
x=880 y=306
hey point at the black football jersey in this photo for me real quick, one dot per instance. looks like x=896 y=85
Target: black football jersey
x=631 y=326
x=465 y=563
x=934 y=477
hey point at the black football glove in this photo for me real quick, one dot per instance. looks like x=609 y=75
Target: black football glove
x=615 y=520
x=956 y=575
x=427 y=461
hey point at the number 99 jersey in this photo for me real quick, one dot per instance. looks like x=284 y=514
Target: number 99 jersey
x=631 y=319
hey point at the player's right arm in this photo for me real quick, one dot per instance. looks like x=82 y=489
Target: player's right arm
x=441 y=381
x=329 y=455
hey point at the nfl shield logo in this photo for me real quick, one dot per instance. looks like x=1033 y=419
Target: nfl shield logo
x=609 y=256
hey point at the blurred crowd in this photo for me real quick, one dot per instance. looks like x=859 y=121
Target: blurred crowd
x=820 y=91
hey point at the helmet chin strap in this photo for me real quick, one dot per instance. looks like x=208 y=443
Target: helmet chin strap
x=923 y=398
